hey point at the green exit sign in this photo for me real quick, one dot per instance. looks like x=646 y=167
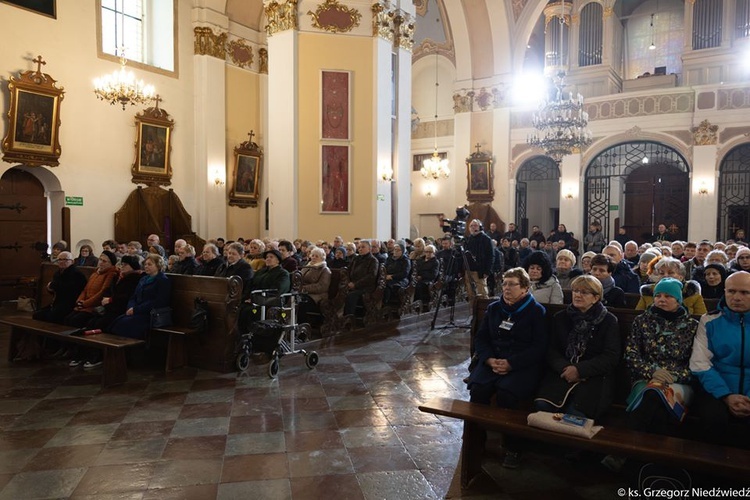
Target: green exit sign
x=74 y=201
x=612 y=208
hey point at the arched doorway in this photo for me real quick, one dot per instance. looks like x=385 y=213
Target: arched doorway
x=657 y=194
x=734 y=193
x=538 y=179
x=23 y=224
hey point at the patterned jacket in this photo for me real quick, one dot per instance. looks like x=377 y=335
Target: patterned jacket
x=657 y=342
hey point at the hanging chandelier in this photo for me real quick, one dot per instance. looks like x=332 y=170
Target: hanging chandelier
x=560 y=122
x=435 y=167
x=121 y=87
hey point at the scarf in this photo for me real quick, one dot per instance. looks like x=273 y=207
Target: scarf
x=322 y=263
x=584 y=324
x=667 y=315
x=607 y=285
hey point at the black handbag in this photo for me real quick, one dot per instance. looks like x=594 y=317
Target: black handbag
x=161 y=317
x=199 y=318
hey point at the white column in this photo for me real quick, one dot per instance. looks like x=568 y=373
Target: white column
x=571 y=182
x=402 y=192
x=463 y=149
x=209 y=135
x=505 y=186
x=702 y=222
x=281 y=160
x=384 y=158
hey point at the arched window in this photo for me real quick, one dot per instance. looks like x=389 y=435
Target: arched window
x=590 y=35
x=707 y=17
x=734 y=193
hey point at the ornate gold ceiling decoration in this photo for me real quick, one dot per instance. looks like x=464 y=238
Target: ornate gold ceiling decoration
x=420 y=7
x=263 y=53
x=333 y=17
x=240 y=53
x=281 y=16
x=405 y=25
x=383 y=21
x=208 y=43
x=705 y=134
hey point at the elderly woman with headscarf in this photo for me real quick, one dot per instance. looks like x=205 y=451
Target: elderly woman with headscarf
x=397 y=269
x=712 y=281
x=668 y=267
x=564 y=269
x=544 y=285
x=315 y=282
x=339 y=258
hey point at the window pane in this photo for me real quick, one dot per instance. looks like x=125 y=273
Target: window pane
x=132 y=39
x=109 y=41
x=133 y=8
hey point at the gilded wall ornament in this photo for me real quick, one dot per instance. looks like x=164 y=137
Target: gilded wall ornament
x=405 y=24
x=333 y=17
x=462 y=103
x=705 y=134
x=208 y=43
x=383 y=21
x=484 y=99
x=240 y=53
x=281 y=16
x=263 y=54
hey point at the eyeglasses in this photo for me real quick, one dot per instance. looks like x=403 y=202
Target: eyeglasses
x=582 y=292
x=510 y=284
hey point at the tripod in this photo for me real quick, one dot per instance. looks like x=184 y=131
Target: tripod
x=455 y=276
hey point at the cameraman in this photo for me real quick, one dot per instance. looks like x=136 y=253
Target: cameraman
x=479 y=256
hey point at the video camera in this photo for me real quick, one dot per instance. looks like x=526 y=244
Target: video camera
x=457 y=226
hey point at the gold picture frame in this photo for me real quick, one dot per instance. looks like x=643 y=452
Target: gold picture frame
x=153 y=147
x=480 y=178
x=246 y=176
x=33 y=136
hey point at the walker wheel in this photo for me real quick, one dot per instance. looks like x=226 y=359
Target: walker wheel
x=273 y=368
x=311 y=359
x=243 y=361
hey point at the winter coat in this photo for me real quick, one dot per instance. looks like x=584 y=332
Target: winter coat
x=596 y=366
x=659 y=339
x=97 y=285
x=691 y=298
x=594 y=242
x=547 y=292
x=316 y=280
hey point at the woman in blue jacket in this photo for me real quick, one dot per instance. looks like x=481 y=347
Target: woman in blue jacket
x=154 y=291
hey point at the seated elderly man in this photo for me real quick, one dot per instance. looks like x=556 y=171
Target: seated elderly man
x=363 y=276
x=718 y=362
x=235 y=265
x=210 y=260
x=67 y=284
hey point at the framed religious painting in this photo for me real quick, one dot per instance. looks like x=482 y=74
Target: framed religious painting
x=44 y=7
x=153 y=147
x=33 y=136
x=335 y=105
x=480 y=178
x=248 y=158
x=335 y=177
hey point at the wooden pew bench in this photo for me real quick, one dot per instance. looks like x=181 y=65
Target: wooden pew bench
x=613 y=439
x=733 y=463
x=114 y=367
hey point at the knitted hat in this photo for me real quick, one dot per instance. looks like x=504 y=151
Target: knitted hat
x=132 y=261
x=588 y=254
x=159 y=250
x=112 y=257
x=670 y=286
x=276 y=253
x=567 y=254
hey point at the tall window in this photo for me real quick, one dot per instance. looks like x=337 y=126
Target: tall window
x=141 y=30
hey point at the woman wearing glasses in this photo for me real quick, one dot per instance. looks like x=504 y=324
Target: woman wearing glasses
x=582 y=356
x=509 y=350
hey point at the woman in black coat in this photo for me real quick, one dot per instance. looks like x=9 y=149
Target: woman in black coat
x=583 y=353
x=397 y=272
x=428 y=270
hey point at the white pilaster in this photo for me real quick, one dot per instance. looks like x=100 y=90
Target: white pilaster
x=386 y=197
x=702 y=220
x=463 y=149
x=283 y=122
x=571 y=183
x=505 y=186
x=402 y=192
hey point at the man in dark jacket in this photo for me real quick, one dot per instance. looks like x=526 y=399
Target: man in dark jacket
x=623 y=275
x=237 y=266
x=479 y=251
x=66 y=285
x=363 y=276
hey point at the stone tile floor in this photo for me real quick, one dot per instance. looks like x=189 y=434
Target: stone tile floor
x=348 y=429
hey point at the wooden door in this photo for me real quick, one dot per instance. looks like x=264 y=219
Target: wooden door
x=23 y=224
x=657 y=194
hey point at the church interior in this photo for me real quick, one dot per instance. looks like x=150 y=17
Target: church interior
x=361 y=118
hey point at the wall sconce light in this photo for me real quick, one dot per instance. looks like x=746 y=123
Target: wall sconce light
x=703 y=190
x=569 y=195
x=385 y=173
x=429 y=190
x=217 y=177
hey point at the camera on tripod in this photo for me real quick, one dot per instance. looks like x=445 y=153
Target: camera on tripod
x=457 y=226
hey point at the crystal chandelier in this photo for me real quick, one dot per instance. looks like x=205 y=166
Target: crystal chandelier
x=435 y=167
x=121 y=87
x=560 y=122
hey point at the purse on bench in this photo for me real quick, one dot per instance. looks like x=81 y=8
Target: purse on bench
x=161 y=317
